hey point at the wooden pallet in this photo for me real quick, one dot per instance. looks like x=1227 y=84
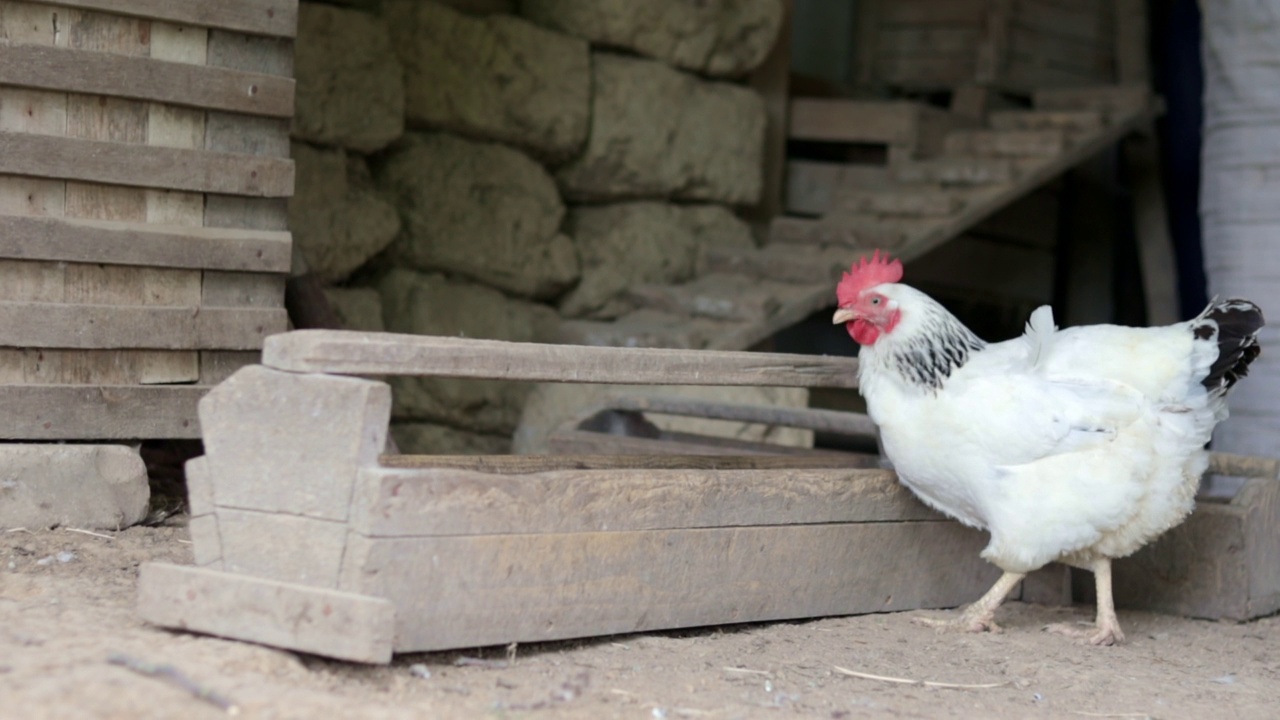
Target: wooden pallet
x=144 y=170
x=306 y=538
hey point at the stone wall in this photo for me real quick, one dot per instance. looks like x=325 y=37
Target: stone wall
x=488 y=168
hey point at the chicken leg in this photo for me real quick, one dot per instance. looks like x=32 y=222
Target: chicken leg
x=981 y=615
x=1106 y=630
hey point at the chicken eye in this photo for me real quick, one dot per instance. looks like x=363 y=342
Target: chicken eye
x=875 y=301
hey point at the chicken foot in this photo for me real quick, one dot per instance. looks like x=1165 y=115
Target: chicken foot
x=1106 y=629
x=981 y=615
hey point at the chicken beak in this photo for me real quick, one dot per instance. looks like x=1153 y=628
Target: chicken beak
x=843 y=315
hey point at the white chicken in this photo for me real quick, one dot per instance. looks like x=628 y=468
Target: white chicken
x=1077 y=445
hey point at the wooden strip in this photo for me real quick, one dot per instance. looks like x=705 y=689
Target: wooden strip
x=837 y=120
x=138 y=78
x=60 y=325
x=95 y=284
x=1243 y=465
x=95 y=241
x=32 y=366
x=569 y=441
x=827 y=421
x=1006 y=143
x=529 y=464
x=257 y=17
x=225 y=289
x=360 y=353
x=553 y=586
x=342 y=625
x=144 y=166
x=80 y=412
x=439 y=502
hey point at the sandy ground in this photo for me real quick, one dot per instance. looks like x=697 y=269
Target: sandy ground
x=66 y=613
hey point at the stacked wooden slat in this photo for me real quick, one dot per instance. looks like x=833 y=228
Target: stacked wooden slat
x=144 y=171
x=1018 y=45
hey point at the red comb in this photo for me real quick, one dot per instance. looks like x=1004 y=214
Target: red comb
x=867 y=273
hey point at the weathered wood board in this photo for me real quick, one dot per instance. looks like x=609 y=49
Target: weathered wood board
x=115 y=126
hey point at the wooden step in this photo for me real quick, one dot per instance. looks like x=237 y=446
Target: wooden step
x=858 y=232
x=958 y=171
x=1071 y=121
x=811 y=183
x=1006 y=143
x=784 y=263
x=1110 y=100
x=908 y=201
x=914 y=127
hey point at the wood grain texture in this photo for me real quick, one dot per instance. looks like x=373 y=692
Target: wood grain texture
x=588 y=442
x=95 y=284
x=307 y=619
x=445 y=501
x=554 y=586
x=63 y=412
x=43 y=366
x=257 y=17
x=151 y=244
x=828 y=421
x=144 y=166
x=360 y=353
x=79 y=326
x=138 y=78
x=527 y=464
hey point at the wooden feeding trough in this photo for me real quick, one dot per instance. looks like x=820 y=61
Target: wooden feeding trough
x=306 y=538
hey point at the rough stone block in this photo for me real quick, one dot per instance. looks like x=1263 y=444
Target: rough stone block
x=481 y=210
x=82 y=486
x=431 y=304
x=626 y=244
x=658 y=132
x=350 y=89
x=495 y=76
x=718 y=37
x=337 y=218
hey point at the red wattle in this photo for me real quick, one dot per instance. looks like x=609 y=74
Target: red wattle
x=863 y=332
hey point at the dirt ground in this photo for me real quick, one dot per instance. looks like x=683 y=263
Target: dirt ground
x=67 y=622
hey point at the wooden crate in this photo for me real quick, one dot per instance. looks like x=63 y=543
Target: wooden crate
x=1016 y=45
x=306 y=538
x=144 y=171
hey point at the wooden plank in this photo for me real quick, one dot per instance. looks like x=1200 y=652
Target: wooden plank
x=957 y=171
x=138 y=78
x=442 y=502
x=86 y=412
x=236 y=289
x=1077 y=121
x=589 y=442
x=993 y=42
x=926 y=39
x=256 y=17
x=811 y=184
x=1031 y=177
x=94 y=284
x=1006 y=143
x=1082 y=22
x=864 y=121
x=856 y=233
x=867 y=23
x=554 y=586
x=94 y=241
x=44 y=366
x=357 y=353
x=926 y=72
x=933 y=12
x=1246 y=466
x=143 y=166
x=827 y=421
x=1132 y=51
x=1112 y=100
x=908 y=201
x=218 y=365
x=528 y=464
x=61 y=325
x=1091 y=61
x=337 y=624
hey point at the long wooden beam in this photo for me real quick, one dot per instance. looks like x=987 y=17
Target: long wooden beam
x=342 y=352
x=277 y=18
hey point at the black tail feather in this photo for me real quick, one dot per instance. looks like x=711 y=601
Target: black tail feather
x=1234 y=324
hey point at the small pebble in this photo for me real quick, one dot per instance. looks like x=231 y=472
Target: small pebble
x=1037 y=697
x=1228 y=679
x=66 y=556
x=419 y=670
